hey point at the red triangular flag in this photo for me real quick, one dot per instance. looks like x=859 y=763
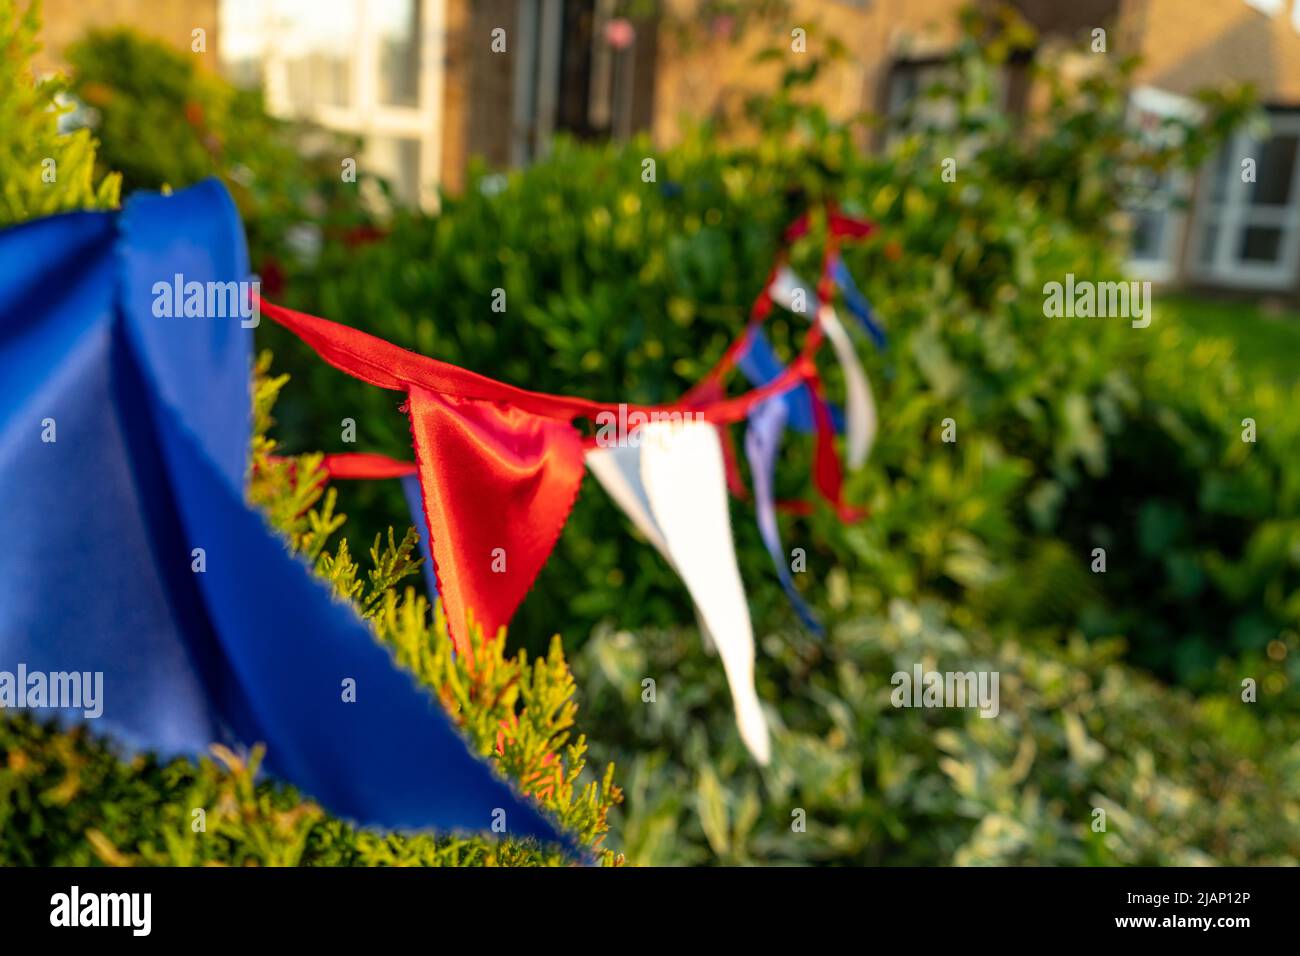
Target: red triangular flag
x=498 y=486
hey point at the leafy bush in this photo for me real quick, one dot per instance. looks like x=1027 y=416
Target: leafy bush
x=1182 y=781
x=1072 y=434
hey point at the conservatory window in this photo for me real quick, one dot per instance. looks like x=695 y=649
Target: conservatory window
x=1248 y=221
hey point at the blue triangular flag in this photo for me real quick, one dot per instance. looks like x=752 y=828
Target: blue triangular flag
x=124 y=440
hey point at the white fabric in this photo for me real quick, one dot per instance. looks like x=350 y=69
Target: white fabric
x=674 y=489
x=860 y=408
x=618 y=469
x=784 y=285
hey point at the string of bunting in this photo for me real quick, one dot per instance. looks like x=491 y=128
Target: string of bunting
x=497 y=468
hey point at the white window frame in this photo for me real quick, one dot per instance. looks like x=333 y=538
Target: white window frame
x=1235 y=213
x=365 y=115
x=1270 y=8
x=1164 y=266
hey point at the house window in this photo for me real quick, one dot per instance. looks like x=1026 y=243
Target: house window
x=1248 y=221
x=1156 y=206
x=912 y=105
x=397 y=159
x=398 y=24
x=318 y=59
x=366 y=67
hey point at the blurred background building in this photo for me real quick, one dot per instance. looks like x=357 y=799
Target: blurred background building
x=429 y=85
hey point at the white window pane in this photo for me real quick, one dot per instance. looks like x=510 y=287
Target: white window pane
x=398 y=23
x=1275 y=171
x=1261 y=244
x=397 y=159
x=318 y=51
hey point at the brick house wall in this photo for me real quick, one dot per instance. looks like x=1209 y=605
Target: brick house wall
x=477 y=87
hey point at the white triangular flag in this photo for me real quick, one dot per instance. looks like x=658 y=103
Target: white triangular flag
x=685 y=483
x=618 y=469
x=672 y=486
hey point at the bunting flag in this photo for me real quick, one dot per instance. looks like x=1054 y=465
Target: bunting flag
x=857 y=303
x=498 y=486
x=131 y=556
x=672 y=485
x=767 y=422
x=500 y=466
x=482 y=436
x=762 y=441
x=760 y=364
x=496 y=472
x=682 y=471
x=499 y=469
x=202 y=624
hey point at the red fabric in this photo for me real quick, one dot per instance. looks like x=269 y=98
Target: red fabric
x=827 y=474
x=838 y=225
x=730 y=461
x=498 y=486
x=365 y=465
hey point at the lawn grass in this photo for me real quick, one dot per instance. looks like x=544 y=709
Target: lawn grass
x=1265 y=343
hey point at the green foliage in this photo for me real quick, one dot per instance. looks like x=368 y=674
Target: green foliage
x=42 y=172
x=1263 y=341
x=1072 y=435
x=1182 y=781
x=620 y=289
x=164 y=122
x=67 y=799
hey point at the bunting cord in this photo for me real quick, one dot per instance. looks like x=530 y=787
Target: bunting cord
x=497 y=468
x=381 y=363
x=385 y=365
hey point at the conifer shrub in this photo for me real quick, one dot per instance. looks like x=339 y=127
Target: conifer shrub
x=41 y=172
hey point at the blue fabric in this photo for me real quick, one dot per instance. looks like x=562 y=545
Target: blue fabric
x=759 y=363
x=152 y=419
x=415 y=502
x=762 y=441
x=857 y=303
